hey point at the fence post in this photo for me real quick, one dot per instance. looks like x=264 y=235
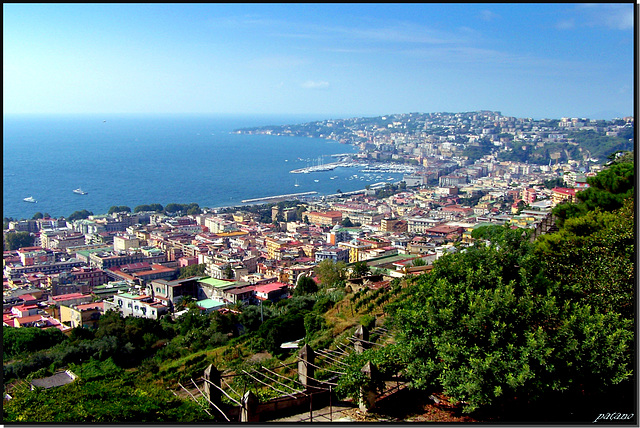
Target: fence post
x=249 y=406
x=305 y=369
x=363 y=334
x=213 y=394
x=368 y=395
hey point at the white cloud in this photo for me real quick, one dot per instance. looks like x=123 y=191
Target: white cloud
x=487 y=15
x=566 y=24
x=614 y=16
x=312 y=84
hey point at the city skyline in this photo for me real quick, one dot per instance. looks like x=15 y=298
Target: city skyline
x=525 y=60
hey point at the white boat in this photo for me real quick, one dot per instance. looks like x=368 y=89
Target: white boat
x=79 y=191
x=316 y=180
x=30 y=199
x=296 y=184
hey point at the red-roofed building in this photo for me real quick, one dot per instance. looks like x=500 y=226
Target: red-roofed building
x=563 y=194
x=273 y=291
x=23 y=311
x=70 y=299
x=324 y=219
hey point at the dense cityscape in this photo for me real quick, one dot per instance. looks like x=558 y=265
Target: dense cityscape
x=464 y=174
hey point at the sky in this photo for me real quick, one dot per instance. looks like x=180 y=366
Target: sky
x=538 y=60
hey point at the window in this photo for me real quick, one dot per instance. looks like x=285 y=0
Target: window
x=136 y=307
x=130 y=305
x=119 y=302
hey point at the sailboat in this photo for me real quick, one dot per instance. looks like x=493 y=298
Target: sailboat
x=296 y=184
x=30 y=199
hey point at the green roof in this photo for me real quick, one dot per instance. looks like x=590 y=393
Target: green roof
x=94 y=250
x=218 y=283
x=389 y=259
x=210 y=303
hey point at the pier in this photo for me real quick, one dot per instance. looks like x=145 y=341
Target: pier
x=271 y=198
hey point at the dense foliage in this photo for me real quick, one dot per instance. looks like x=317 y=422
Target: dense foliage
x=119 y=209
x=510 y=321
x=607 y=192
x=193 y=270
x=16 y=341
x=79 y=215
x=331 y=273
x=148 y=207
x=17 y=240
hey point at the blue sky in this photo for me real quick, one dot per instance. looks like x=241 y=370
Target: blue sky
x=540 y=60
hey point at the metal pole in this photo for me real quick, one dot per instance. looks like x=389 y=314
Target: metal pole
x=330 y=408
x=311 y=407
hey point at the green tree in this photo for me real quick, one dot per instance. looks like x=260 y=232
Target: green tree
x=346 y=222
x=79 y=215
x=193 y=270
x=418 y=261
x=119 y=209
x=360 y=269
x=16 y=341
x=37 y=216
x=228 y=272
x=148 y=207
x=305 y=285
x=16 y=240
x=330 y=273
x=607 y=191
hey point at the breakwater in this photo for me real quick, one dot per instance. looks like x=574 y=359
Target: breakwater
x=272 y=198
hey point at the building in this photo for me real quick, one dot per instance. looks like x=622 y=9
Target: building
x=142 y=306
x=393 y=225
x=125 y=242
x=84 y=315
x=328 y=218
x=563 y=194
x=174 y=291
x=356 y=249
x=273 y=292
x=335 y=254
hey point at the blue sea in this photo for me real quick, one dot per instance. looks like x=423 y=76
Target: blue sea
x=141 y=159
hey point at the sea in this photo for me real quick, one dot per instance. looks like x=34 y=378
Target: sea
x=133 y=160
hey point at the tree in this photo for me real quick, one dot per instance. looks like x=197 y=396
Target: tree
x=16 y=240
x=37 y=216
x=418 y=261
x=331 y=273
x=515 y=322
x=607 y=191
x=193 y=270
x=151 y=207
x=79 y=215
x=346 y=222
x=228 y=272
x=119 y=209
x=360 y=269
x=305 y=285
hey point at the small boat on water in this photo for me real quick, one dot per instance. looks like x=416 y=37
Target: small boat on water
x=79 y=191
x=316 y=181
x=30 y=199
